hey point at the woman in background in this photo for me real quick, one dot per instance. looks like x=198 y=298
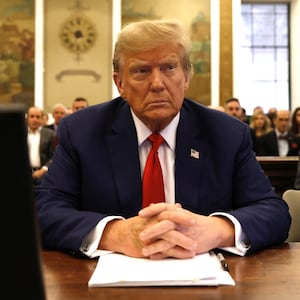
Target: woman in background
x=260 y=123
x=296 y=121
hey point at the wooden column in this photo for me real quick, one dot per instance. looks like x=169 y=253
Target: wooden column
x=226 y=59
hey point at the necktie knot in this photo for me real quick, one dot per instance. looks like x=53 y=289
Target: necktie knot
x=156 y=139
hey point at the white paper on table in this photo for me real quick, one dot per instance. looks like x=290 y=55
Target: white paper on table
x=115 y=269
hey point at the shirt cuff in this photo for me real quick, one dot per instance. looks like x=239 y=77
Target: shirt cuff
x=90 y=243
x=241 y=244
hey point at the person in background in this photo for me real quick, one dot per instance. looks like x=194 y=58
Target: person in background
x=244 y=117
x=272 y=114
x=59 y=111
x=295 y=128
x=260 y=123
x=40 y=143
x=79 y=103
x=214 y=192
x=257 y=109
x=45 y=119
x=233 y=108
x=280 y=141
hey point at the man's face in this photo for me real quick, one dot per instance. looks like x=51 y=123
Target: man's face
x=58 y=114
x=34 y=118
x=282 y=121
x=234 y=109
x=153 y=82
x=77 y=105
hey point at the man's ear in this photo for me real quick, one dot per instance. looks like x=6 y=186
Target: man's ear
x=186 y=82
x=118 y=82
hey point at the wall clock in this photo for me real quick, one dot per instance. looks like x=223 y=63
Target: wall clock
x=78 y=34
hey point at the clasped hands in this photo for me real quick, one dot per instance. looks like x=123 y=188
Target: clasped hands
x=167 y=230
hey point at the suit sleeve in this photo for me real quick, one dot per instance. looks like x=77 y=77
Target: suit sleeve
x=259 y=208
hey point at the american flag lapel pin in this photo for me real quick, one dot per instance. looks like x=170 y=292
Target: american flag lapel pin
x=195 y=154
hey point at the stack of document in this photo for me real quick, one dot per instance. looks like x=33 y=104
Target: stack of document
x=115 y=269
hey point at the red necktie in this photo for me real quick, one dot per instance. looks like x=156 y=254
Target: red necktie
x=153 y=183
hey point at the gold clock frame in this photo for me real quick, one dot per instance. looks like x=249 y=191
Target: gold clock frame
x=78 y=34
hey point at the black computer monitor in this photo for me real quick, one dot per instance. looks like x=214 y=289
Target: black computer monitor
x=17 y=205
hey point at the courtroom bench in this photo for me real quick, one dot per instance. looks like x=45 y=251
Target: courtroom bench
x=280 y=170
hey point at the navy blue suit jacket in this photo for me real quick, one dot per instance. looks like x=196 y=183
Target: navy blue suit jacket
x=95 y=172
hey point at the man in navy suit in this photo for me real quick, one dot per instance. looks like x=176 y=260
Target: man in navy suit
x=216 y=194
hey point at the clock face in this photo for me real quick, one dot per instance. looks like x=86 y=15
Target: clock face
x=78 y=34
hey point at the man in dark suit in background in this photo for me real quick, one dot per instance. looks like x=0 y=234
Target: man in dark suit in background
x=216 y=194
x=40 y=143
x=59 y=111
x=280 y=141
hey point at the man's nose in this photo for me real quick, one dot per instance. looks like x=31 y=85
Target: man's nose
x=157 y=81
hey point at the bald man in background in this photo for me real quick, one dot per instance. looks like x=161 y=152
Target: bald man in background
x=280 y=141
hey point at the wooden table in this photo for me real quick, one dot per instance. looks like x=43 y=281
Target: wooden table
x=280 y=170
x=272 y=273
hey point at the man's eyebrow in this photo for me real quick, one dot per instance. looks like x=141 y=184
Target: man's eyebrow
x=138 y=64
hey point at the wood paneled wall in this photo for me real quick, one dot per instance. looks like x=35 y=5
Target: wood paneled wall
x=226 y=50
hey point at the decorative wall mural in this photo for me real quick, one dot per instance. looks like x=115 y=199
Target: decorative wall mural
x=17 y=51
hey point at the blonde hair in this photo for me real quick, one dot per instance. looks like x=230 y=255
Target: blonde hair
x=149 y=34
x=267 y=122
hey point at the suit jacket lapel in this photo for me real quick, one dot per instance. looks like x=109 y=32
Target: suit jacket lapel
x=274 y=144
x=42 y=141
x=189 y=161
x=123 y=149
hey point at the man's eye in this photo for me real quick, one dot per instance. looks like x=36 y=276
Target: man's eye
x=140 y=70
x=140 y=73
x=168 y=68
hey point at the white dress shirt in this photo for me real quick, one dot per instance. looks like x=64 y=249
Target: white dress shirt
x=283 y=145
x=166 y=154
x=33 y=141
